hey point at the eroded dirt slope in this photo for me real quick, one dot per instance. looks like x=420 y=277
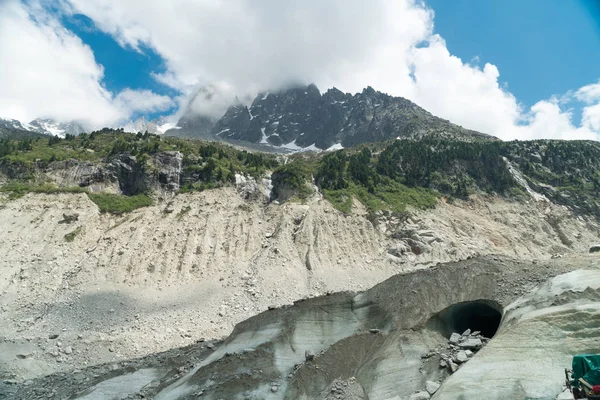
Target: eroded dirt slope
x=171 y=274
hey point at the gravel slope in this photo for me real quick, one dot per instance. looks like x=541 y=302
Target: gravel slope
x=131 y=286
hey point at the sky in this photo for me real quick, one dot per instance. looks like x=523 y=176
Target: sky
x=514 y=69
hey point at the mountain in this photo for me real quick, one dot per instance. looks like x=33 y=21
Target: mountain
x=13 y=129
x=194 y=126
x=11 y=124
x=302 y=118
x=43 y=126
x=157 y=126
x=199 y=124
x=49 y=126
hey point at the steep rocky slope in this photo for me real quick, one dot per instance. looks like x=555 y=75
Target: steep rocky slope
x=303 y=118
x=168 y=275
x=384 y=343
x=88 y=295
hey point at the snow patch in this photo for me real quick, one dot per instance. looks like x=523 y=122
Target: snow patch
x=337 y=146
x=267 y=186
x=51 y=128
x=521 y=181
x=166 y=126
x=315 y=187
x=295 y=147
x=27 y=126
x=265 y=96
x=264 y=136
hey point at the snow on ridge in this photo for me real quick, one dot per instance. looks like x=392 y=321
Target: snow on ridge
x=293 y=146
x=521 y=181
x=27 y=126
x=166 y=126
x=264 y=136
x=53 y=130
x=337 y=146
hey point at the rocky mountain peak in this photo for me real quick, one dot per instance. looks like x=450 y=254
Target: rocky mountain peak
x=302 y=117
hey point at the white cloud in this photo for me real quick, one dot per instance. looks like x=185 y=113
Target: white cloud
x=247 y=46
x=547 y=120
x=253 y=46
x=242 y=47
x=130 y=101
x=589 y=93
x=463 y=93
x=47 y=71
x=591 y=117
x=474 y=98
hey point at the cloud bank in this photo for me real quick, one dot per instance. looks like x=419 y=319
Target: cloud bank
x=46 y=71
x=241 y=47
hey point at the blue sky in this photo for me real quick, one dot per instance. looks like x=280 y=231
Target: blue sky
x=124 y=66
x=511 y=68
x=541 y=47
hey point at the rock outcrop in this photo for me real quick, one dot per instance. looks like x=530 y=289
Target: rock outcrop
x=123 y=173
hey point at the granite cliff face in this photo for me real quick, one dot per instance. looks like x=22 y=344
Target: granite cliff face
x=303 y=118
x=123 y=174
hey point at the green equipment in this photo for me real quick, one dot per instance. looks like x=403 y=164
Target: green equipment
x=583 y=380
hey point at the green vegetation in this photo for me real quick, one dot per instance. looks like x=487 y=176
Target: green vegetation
x=293 y=177
x=416 y=173
x=211 y=161
x=118 y=204
x=205 y=165
x=183 y=212
x=69 y=237
x=112 y=203
x=388 y=175
x=19 y=189
x=451 y=167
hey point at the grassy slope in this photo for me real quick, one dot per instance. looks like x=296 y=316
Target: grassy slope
x=388 y=175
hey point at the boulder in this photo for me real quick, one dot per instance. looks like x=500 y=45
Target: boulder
x=595 y=248
x=452 y=366
x=454 y=338
x=70 y=217
x=309 y=355
x=471 y=344
x=461 y=356
x=432 y=387
x=423 y=395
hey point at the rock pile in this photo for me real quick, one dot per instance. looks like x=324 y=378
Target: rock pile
x=461 y=348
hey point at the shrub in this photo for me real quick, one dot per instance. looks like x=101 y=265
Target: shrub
x=119 y=204
x=69 y=237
